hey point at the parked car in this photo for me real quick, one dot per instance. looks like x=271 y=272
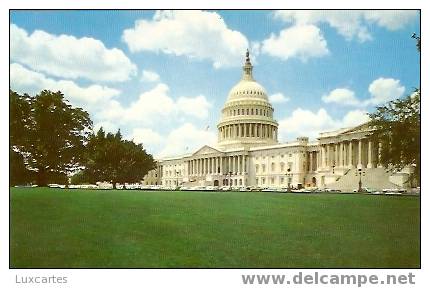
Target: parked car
x=269 y=189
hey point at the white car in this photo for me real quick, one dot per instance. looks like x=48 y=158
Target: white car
x=269 y=189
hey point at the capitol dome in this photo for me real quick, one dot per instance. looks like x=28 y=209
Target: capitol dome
x=247 y=89
x=247 y=115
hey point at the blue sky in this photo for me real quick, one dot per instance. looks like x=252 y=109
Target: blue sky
x=163 y=77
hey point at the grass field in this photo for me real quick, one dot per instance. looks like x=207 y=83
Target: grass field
x=77 y=228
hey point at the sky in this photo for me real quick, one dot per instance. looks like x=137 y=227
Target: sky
x=162 y=77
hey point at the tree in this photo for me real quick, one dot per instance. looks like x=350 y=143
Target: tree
x=80 y=178
x=49 y=133
x=112 y=159
x=18 y=173
x=20 y=122
x=19 y=128
x=397 y=126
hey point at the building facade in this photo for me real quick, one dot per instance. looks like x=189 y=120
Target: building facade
x=248 y=152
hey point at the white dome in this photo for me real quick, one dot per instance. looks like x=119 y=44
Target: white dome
x=248 y=89
x=247 y=115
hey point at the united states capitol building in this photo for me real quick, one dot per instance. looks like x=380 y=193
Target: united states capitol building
x=248 y=152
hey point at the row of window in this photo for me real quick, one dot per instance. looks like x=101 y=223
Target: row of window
x=249 y=111
x=249 y=92
x=273 y=167
x=173 y=172
x=273 y=156
x=271 y=180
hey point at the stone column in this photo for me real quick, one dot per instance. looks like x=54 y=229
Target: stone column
x=240 y=130
x=243 y=164
x=311 y=160
x=379 y=155
x=336 y=153
x=229 y=164
x=369 y=154
x=234 y=164
x=350 y=155
x=221 y=168
x=323 y=159
x=359 y=163
x=216 y=165
x=334 y=158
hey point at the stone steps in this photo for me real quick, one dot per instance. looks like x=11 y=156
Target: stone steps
x=374 y=178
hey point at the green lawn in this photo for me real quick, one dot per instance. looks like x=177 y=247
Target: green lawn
x=77 y=228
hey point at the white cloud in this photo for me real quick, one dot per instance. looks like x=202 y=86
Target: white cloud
x=350 y=24
x=355 y=118
x=194 y=106
x=24 y=80
x=186 y=139
x=391 y=19
x=278 y=98
x=304 y=122
x=69 y=57
x=156 y=106
x=146 y=136
x=150 y=76
x=385 y=89
x=302 y=41
x=342 y=96
x=107 y=126
x=196 y=34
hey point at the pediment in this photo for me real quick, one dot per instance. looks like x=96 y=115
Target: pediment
x=360 y=128
x=206 y=150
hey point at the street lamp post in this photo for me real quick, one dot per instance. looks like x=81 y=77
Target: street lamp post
x=177 y=179
x=360 y=172
x=229 y=178
x=288 y=174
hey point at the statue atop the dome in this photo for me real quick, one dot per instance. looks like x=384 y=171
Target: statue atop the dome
x=247 y=68
x=247 y=60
